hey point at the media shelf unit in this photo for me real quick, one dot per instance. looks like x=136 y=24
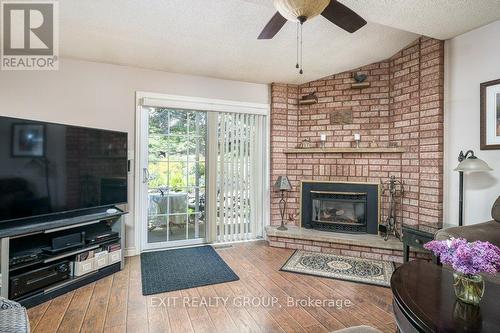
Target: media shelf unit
x=32 y=233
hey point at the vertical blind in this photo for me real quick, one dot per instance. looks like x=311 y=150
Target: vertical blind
x=240 y=148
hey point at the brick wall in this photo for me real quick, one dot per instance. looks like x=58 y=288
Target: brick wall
x=284 y=134
x=416 y=91
x=403 y=106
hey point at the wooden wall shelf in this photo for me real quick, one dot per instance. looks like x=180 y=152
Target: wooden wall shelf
x=360 y=85
x=307 y=101
x=344 y=150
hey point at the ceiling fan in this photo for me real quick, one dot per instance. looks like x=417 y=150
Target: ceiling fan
x=300 y=11
x=303 y=10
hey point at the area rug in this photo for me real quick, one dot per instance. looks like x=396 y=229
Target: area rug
x=178 y=269
x=339 y=267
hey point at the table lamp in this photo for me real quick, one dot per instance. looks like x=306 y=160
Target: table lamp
x=468 y=163
x=282 y=184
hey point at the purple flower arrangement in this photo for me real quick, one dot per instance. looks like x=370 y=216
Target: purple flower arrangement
x=467 y=258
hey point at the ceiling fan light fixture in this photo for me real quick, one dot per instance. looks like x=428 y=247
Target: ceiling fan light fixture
x=293 y=9
x=300 y=11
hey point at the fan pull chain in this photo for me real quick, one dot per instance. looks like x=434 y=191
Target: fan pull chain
x=301 y=39
x=297 y=65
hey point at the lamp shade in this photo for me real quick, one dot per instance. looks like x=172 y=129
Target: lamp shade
x=473 y=164
x=282 y=184
x=292 y=9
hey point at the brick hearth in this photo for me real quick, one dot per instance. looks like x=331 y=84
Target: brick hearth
x=403 y=105
x=354 y=245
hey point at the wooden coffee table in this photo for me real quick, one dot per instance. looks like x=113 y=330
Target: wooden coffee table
x=424 y=301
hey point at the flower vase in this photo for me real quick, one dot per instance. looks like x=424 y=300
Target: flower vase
x=468 y=288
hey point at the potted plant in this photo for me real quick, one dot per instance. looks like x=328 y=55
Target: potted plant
x=467 y=260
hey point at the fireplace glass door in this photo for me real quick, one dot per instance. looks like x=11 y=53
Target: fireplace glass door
x=339 y=210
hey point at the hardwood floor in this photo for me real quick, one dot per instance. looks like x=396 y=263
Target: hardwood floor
x=116 y=304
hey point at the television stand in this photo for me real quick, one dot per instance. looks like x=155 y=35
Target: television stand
x=88 y=247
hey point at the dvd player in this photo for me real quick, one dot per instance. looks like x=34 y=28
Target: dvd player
x=24 y=257
x=100 y=237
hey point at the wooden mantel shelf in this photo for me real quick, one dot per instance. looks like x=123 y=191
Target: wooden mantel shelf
x=344 y=150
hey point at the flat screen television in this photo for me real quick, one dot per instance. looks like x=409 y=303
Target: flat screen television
x=47 y=169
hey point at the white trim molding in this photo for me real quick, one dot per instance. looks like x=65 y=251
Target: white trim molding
x=137 y=176
x=130 y=252
x=202 y=104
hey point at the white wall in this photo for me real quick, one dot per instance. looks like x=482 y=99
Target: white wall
x=470 y=59
x=103 y=96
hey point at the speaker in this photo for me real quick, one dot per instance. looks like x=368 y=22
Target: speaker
x=68 y=241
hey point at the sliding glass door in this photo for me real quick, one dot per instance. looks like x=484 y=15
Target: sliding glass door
x=203 y=175
x=176 y=177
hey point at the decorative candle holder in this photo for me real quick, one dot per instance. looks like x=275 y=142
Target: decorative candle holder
x=322 y=140
x=357 y=139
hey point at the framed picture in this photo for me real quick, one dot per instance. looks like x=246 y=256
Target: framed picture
x=28 y=140
x=490 y=115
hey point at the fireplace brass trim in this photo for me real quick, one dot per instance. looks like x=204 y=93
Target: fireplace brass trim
x=336 y=222
x=379 y=190
x=348 y=193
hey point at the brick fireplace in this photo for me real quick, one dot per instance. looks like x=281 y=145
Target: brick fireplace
x=399 y=117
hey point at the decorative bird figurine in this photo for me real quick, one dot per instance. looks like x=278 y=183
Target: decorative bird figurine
x=359 y=77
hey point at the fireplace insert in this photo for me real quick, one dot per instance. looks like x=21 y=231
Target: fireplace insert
x=340 y=207
x=344 y=211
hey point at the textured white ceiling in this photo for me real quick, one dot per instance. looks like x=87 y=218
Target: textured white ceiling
x=218 y=38
x=441 y=19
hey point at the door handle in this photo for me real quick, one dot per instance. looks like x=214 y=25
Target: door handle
x=145 y=175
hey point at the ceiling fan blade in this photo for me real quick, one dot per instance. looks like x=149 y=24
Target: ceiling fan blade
x=343 y=17
x=272 y=27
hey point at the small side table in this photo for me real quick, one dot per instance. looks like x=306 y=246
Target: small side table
x=424 y=302
x=414 y=238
